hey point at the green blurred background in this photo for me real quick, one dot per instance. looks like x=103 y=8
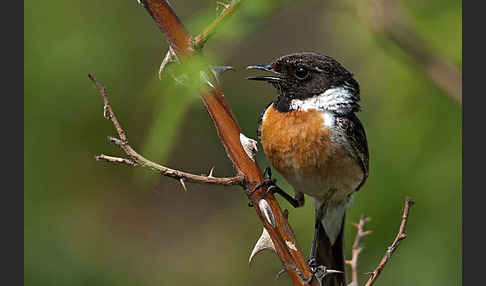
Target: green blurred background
x=95 y=223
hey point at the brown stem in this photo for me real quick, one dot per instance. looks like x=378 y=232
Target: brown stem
x=389 y=252
x=178 y=37
x=138 y=160
x=229 y=132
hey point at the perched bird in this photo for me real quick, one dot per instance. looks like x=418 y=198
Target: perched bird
x=311 y=135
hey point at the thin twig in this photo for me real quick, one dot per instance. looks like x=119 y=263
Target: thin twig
x=400 y=236
x=203 y=37
x=103 y=157
x=357 y=248
x=138 y=160
x=108 y=111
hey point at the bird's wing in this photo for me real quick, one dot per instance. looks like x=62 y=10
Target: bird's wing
x=355 y=135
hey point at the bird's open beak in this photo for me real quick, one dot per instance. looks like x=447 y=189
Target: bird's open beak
x=267 y=68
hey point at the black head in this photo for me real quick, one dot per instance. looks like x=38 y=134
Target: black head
x=319 y=79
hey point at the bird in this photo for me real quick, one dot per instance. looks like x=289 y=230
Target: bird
x=311 y=135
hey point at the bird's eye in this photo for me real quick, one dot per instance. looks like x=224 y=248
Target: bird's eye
x=301 y=73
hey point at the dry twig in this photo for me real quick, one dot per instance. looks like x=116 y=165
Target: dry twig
x=389 y=252
x=357 y=248
x=138 y=160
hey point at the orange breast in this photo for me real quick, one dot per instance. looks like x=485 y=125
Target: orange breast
x=295 y=142
x=301 y=148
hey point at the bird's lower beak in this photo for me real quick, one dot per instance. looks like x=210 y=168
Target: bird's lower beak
x=267 y=68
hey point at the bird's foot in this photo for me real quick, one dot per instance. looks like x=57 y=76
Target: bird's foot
x=274 y=189
x=319 y=271
x=267 y=182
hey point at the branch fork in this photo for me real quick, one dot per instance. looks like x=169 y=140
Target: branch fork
x=358 y=248
x=391 y=249
x=135 y=159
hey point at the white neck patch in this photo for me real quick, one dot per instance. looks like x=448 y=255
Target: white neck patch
x=328 y=100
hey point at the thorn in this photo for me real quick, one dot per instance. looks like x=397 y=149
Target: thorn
x=264 y=242
x=267 y=212
x=291 y=245
x=320 y=272
x=106 y=114
x=206 y=79
x=170 y=57
x=211 y=172
x=219 y=70
x=115 y=141
x=183 y=184
x=333 y=271
x=368 y=232
x=249 y=145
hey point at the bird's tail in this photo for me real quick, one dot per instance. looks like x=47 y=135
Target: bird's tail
x=331 y=254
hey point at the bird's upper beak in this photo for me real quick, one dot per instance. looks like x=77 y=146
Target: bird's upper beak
x=267 y=68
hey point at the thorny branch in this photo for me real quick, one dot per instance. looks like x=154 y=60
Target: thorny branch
x=183 y=47
x=276 y=227
x=386 y=19
x=357 y=248
x=389 y=252
x=138 y=160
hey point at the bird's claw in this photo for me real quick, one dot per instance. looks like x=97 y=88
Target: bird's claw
x=268 y=182
x=318 y=271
